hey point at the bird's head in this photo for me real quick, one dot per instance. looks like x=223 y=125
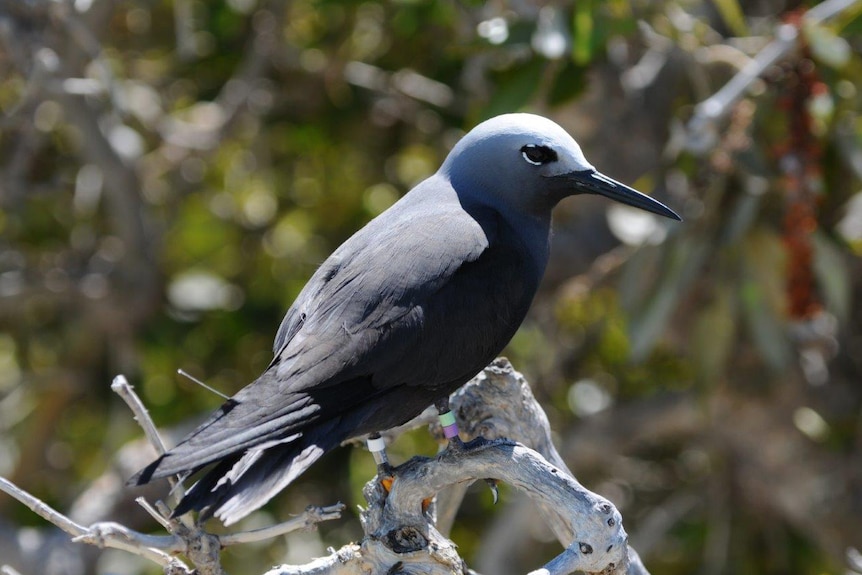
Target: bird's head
x=529 y=163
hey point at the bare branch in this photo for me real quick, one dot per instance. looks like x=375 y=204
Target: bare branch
x=101 y=534
x=121 y=387
x=496 y=404
x=308 y=520
x=156 y=514
x=345 y=561
x=601 y=538
x=122 y=537
x=42 y=509
x=237 y=91
x=400 y=533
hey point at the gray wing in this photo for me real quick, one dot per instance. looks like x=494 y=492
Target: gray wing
x=347 y=337
x=379 y=282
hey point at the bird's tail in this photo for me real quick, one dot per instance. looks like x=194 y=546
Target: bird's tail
x=240 y=484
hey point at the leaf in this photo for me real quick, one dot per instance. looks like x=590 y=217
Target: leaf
x=582 y=30
x=763 y=297
x=569 y=83
x=714 y=335
x=733 y=17
x=684 y=261
x=515 y=87
x=833 y=280
x=765 y=330
x=827 y=47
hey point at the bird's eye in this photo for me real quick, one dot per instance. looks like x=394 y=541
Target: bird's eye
x=538 y=155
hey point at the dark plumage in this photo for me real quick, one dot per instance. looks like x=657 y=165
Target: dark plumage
x=402 y=314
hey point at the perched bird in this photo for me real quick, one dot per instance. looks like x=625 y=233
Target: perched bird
x=403 y=313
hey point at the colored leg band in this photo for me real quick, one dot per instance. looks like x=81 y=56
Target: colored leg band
x=450 y=428
x=376 y=444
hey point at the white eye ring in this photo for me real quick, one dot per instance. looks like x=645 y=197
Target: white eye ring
x=540 y=154
x=529 y=160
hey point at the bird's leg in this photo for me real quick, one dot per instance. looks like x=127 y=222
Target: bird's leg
x=377 y=447
x=450 y=430
x=448 y=423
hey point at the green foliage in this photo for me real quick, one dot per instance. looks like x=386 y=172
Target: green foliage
x=252 y=138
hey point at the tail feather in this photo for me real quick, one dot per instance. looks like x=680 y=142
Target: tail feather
x=195 y=497
x=243 y=483
x=233 y=428
x=261 y=440
x=263 y=482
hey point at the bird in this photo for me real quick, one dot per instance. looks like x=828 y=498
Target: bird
x=404 y=312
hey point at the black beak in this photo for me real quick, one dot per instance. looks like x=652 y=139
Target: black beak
x=593 y=182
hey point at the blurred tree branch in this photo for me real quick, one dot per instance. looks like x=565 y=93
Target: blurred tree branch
x=264 y=47
x=702 y=127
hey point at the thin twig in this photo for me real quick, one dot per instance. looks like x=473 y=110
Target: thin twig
x=719 y=104
x=310 y=518
x=102 y=534
x=41 y=508
x=162 y=507
x=153 y=512
x=110 y=534
x=123 y=388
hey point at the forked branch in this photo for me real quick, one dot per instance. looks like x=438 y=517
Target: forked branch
x=503 y=422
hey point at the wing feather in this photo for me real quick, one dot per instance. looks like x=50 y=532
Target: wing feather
x=373 y=288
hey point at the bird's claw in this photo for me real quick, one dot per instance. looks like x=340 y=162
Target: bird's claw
x=386 y=483
x=385 y=470
x=492 y=484
x=456 y=445
x=385 y=476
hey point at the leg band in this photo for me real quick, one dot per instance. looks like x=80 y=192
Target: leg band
x=377 y=447
x=450 y=427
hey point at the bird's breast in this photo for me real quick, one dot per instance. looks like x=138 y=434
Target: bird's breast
x=475 y=315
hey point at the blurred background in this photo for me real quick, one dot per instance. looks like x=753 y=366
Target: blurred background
x=172 y=171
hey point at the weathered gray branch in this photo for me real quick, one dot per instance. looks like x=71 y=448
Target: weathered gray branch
x=499 y=413
x=201 y=547
x=102 y=535
x=401 y=537
x=599 y=541
x=498 y=407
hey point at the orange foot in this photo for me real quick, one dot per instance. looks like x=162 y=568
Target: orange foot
x=386 y=483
